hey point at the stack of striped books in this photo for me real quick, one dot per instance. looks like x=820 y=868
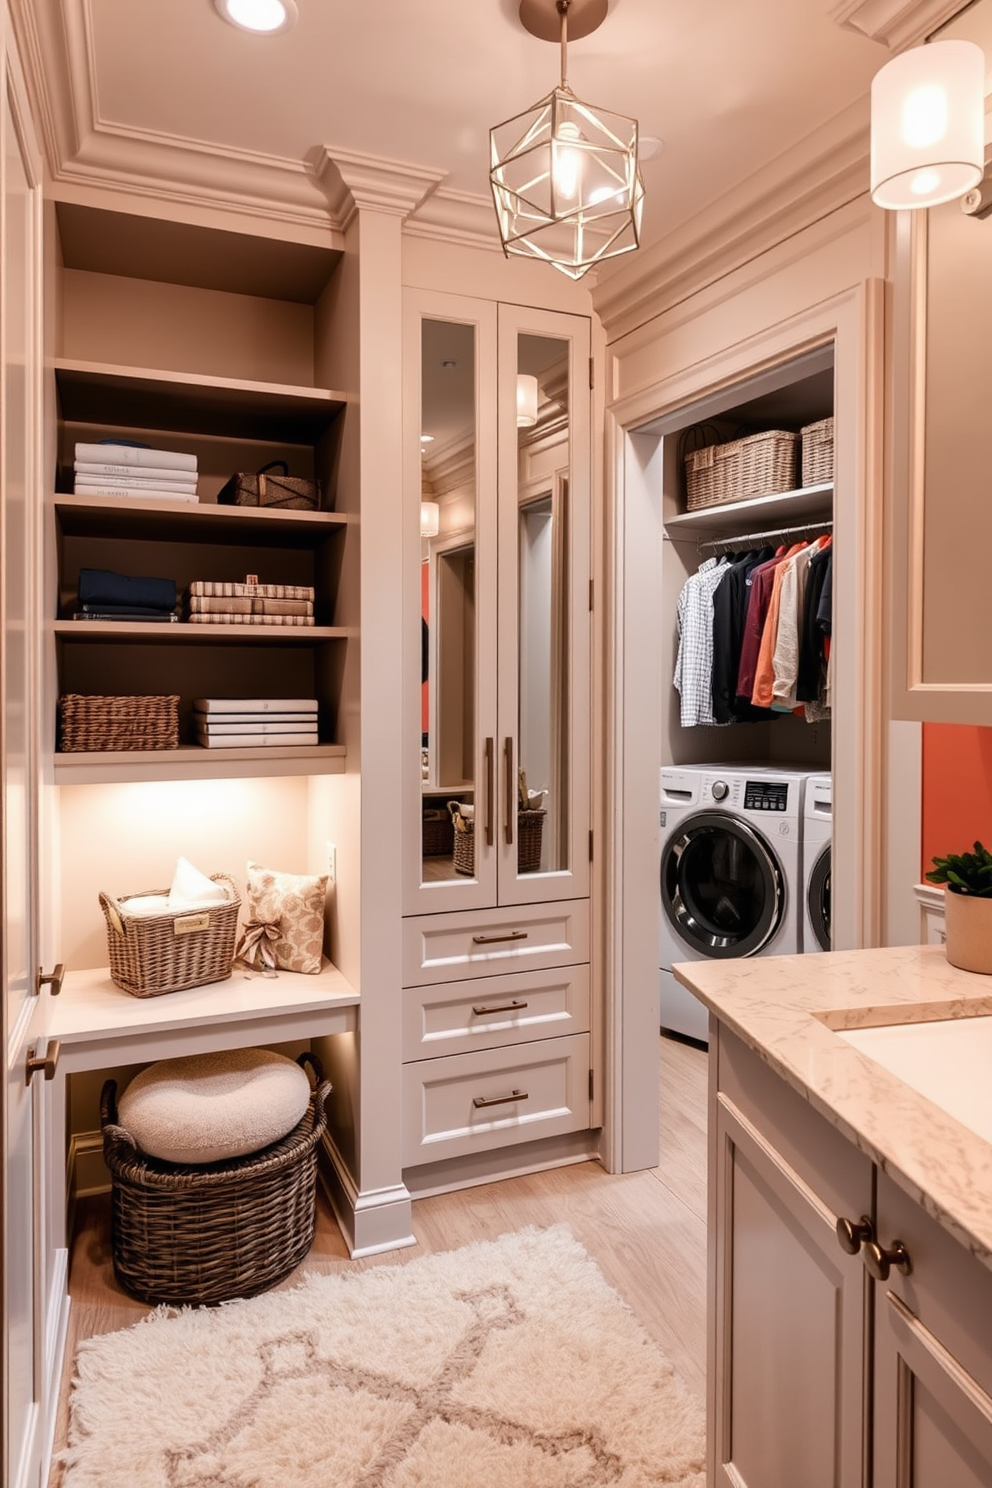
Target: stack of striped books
x=134 y=470
x=216 y=602
x=239 y=723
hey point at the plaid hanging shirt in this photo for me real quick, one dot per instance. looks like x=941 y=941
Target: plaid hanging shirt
x=694 y=664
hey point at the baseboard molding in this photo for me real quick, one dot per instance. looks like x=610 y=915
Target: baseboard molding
x=86 y=1171
x=371 y=1222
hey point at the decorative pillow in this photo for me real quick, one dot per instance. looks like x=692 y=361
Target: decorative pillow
x=204 y=1108
x=290 y=909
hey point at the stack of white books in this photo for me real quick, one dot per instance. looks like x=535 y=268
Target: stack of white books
x=239 y=723
x=134 y=470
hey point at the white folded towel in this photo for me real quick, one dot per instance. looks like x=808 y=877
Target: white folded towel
x=191 y=889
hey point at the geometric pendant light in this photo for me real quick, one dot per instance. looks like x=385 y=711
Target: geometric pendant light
x=564 y=175
x=928 y=125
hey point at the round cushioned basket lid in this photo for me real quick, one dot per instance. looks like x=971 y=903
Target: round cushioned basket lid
x=208 y=1107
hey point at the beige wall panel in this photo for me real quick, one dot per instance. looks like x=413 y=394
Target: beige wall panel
x=176 y=328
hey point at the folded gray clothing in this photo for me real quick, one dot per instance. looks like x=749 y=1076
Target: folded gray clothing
x=98 y=586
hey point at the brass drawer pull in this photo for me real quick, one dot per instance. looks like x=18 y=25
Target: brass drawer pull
x=511 y=790
x=51 y=979
x=47 y=1062
x=480 y=1102
x=492 y=939
x=500 y=1007
x=490 y=790
x=879 y=1261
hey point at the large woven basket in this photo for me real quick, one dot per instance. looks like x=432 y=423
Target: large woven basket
x=185 y=1234
x=530 y=834
x=157 y=953
x=818 y=452
x=759 y=465
x=102 y=723
x=438 y=833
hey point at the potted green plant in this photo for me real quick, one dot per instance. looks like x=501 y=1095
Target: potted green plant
x=967 y=880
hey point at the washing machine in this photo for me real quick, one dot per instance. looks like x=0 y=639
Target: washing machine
x=817 y=822
x=731 y=880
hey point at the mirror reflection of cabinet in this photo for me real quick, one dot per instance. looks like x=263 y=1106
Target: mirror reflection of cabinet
x=498 y=699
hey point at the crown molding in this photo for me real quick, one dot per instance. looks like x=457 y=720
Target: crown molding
x=353 y=182
x=820 y=175
x=896 y=23
x=456 y=217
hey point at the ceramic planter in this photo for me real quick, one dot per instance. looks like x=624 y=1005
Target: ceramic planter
x=968 y=922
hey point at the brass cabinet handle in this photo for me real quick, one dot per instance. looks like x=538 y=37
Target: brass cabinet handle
x=481 y=1101
x=490 y=788
x=499 y=1007
x=47 y=1062
x=492 y=939
x=880 y=1261
x=51 y=979
x=853 y=1233
x=511 y=790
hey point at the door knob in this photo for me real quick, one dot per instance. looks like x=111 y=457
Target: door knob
x=47 y=1062
x=51 y=979
x=880 y=1261
x=853 y=1233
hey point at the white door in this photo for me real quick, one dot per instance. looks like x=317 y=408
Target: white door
x=23 y=1227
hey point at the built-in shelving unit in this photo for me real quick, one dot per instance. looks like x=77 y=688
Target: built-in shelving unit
x=807 y=503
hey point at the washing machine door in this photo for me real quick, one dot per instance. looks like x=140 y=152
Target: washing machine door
x=721 y=885
x=818 y=899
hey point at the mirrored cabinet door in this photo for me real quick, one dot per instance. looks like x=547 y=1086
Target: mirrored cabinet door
x=544 y=625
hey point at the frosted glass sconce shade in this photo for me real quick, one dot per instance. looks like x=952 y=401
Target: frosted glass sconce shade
x=928 y=125
x=526 y=401
x=430 y=519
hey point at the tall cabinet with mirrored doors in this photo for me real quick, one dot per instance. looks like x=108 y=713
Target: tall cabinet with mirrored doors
x=498 y=1042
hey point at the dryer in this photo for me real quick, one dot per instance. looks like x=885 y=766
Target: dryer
x=817 y=835
x=730 y=872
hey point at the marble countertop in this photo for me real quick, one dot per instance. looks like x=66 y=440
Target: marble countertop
x=789 y=1009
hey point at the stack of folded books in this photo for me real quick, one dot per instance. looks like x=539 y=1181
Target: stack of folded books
x=134 y=470
x=104 y=595
x=236 y=723
x=216 y=602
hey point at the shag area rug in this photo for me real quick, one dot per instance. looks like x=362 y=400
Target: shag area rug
x=506 y=1364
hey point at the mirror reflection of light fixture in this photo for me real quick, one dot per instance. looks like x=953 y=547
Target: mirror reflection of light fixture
x=928 y=125
x=564 y=175
x=526 y=401
x=430 y=519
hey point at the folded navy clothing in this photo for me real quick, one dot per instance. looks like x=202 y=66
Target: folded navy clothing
x=101 y=587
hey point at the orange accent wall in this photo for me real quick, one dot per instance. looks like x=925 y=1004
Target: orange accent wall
x=957 y=789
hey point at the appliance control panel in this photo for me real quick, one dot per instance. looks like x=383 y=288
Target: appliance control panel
x=766 y=795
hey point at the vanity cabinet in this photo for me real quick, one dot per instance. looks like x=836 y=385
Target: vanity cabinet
x=496 y=832
x=819 y=1372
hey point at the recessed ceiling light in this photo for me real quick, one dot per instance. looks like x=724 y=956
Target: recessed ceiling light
x=267 y=16
x=648 y=146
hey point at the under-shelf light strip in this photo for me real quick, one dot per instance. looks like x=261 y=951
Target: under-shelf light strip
x=746 y=540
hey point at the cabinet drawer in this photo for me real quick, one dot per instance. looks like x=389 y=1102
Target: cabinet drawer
x=474 y=1102
x=473 y=943
x=457 y=1017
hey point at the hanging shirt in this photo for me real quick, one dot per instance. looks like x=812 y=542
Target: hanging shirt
x=761 y=695
x=729 y=614
x=810 y=677
x=785 y=657
x=694 y=663
x=754 y=624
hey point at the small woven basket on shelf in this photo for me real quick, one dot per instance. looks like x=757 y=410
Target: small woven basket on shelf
x=530 y=834
x=152 y=954
x=187 y=1234
x=126 y=723
x=759 y=465
x=438 y=834
x=818 y=452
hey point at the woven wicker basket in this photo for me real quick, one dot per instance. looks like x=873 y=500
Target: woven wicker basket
x=102 y=723
x=183 y=1234
x=530 y=834
x=760 y=465
x=154 y=954
x=818 y=452
x=438 y=834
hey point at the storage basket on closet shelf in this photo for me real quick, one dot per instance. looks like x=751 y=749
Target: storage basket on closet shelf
x=127 y=723
x=530 y=833
x=151 y=954
x=758 y=465
x=439 y=833
x=818 y=452
x=187 y=1233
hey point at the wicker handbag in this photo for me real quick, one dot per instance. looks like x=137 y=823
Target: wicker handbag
x=182 y=1233
x=263 y=489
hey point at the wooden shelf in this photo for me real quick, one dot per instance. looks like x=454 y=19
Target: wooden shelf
x=120 y=632
x=808 y=503
x=150 y=520
x=190 y=403
x=192 y=762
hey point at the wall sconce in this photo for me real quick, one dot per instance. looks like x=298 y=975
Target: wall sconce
x=526 y=401
x=928 y=125
x=430 y=519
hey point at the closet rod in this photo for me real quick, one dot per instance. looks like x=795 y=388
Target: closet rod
x=745 y=540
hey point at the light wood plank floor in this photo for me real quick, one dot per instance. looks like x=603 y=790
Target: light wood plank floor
x=646 y=1231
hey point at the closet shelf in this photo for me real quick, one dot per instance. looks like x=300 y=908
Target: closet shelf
x=194 y=763
x=152 y=632
x=150 y=520
x=786 y=507
x=191 y=403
